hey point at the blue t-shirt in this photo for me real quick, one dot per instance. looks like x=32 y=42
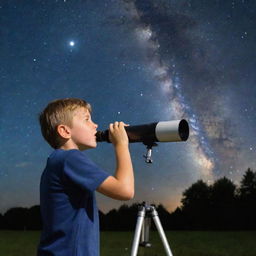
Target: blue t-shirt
x=68 y=206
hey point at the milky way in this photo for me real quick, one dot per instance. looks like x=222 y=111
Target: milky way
x=168 y=78
x=185 y=63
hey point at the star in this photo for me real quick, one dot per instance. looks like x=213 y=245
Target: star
x=72 y=43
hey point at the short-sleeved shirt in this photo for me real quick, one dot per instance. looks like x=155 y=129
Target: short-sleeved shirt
x=68 y=206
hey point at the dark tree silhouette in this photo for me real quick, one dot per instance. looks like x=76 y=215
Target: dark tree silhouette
x=1 y=221
x=223 y=210
x=127 y=217
x=16 y=218
x=122 y=219
x=247 y=191
x=195 y=205
x=177 y=220
x=34 y=218
x=164 y=216
x=247 y=200
x=112 y=220
x=223 y=191
x=102 y=220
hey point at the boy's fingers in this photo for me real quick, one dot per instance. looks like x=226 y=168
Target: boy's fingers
x=111 y=127
x=117 y=124
x=122 y=123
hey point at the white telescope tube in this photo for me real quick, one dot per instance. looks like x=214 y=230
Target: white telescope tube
x=171 y=131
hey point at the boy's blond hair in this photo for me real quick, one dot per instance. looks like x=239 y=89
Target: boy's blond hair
x=58 y=112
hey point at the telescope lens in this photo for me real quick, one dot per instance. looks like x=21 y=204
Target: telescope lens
x=183 y=130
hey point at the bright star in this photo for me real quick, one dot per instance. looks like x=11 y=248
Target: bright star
x=71 y=43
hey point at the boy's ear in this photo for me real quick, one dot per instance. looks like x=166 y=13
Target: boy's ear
x=64 y=131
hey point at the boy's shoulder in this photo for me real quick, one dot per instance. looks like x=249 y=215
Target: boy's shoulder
x=65 y=153
x=61 y=155
x=76 y=169
x=72 y=155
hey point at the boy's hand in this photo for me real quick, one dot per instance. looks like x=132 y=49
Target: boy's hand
x=121 y=185
x=118 y=134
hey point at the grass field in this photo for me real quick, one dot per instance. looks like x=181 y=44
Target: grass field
x=182 y=243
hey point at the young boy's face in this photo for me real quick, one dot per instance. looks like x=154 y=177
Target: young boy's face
x=83 y=131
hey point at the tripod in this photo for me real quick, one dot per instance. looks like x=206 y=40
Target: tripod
x=145 y=213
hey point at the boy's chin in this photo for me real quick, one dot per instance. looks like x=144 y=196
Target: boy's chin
x=84 y=147
x=94 y=146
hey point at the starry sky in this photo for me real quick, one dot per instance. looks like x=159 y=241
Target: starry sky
x=137 y=61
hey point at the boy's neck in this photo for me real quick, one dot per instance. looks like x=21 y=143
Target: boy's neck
x=69 y=145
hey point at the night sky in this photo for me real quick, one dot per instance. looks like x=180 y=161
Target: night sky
x=137 y=61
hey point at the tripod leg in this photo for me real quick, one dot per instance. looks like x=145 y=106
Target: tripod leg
x=161 y=232
x=140 y=219
x=145 y=232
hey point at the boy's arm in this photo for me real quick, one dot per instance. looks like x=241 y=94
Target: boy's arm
x=121 y=185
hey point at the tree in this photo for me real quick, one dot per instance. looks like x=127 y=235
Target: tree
x=196 y=195
x=195 y=205
x=34 y=221
x=222 y=207
x=16 y=218
x=247 y=191
x=112 y=220
x=1 y=221
x=247 y=200
x=177 y=220
x=102 y=220
x=223 y=192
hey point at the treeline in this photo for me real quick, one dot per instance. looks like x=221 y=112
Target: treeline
x=220 y=206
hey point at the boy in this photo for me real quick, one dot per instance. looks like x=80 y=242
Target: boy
x=67 y=199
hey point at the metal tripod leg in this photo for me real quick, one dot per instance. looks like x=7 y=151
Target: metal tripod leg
x=145 y=210
x=140 y=219
x=161 y=231
x=144 y=241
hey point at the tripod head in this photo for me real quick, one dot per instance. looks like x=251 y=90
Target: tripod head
x=148 y=156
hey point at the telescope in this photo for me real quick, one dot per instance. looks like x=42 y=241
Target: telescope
x=149 y=134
